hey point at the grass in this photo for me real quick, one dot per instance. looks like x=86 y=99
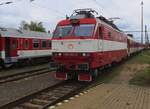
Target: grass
x=110 y=73
x=142 y=78
x=141 y=58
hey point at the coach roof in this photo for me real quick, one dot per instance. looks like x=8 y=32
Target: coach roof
x=11 y=32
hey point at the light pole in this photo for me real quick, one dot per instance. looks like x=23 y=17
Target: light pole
x=142 y=22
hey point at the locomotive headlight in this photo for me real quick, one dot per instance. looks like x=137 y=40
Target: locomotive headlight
x=59 y=54
x=55 y=54
x=83 y=54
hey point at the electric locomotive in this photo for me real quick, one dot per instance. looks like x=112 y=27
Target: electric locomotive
x=82 y=44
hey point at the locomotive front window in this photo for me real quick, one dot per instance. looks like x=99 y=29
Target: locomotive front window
x=84 y=30
x=62 y=31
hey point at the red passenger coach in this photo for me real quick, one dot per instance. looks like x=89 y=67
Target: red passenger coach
x=23 y=46
x=83 y=44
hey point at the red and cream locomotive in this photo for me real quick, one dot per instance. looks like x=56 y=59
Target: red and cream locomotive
x=84 y=43
x=23 y=46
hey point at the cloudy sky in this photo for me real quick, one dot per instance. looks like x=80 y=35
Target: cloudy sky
x=51 y=11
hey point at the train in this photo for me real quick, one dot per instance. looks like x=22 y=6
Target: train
x=82 y=44
x=23 y=46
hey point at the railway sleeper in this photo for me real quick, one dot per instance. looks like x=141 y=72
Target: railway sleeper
x=39 y=101
x=29 y=105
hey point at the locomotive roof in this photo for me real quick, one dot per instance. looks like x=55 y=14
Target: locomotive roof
x=108 y=22
x=11 y=32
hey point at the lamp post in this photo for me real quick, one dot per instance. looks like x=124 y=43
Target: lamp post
x=142 y=22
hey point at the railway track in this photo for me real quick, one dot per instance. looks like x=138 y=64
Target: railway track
x=47 y=97
x=22 y=75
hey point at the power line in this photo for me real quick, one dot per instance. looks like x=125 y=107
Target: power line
x=102 y=7
x=35 y=5
x=50 y=9
x=11 y=2
x=135 y=31
x=6 y=3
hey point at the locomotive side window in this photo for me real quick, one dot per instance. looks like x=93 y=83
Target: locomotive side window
x=35 y=43
x=100 y=33
x=26 y=44
x=84 y=30
x=109 y=34
x=43 y=43
x=62 y=31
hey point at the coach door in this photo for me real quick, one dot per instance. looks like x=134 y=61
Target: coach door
x=13 y=50
x=7 y=47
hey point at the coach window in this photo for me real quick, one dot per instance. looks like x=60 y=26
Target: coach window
x=14 y=44
x=43 y=43
x=26 y=44
x=35 y=43
x=17 y=44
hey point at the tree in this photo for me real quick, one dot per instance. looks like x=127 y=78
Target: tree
x=32 y=26
x=24 y=25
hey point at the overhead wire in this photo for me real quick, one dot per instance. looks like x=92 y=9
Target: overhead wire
x=56 y=12
x=35 y=5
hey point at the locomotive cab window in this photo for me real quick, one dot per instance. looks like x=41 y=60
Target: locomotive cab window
x=43 y=43
x=35 y=43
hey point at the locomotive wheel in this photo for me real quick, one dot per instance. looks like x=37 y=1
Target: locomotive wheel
x=7 y=65
x=2 y=65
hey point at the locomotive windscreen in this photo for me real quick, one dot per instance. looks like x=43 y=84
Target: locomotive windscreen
x=62 y=31
x=84 y=30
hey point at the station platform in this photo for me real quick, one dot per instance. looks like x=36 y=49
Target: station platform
x=110 y=96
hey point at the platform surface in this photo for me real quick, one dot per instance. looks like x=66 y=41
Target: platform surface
x=112 y=96
x=116 y=94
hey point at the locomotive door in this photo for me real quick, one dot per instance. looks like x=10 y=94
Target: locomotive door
x=100 y=39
